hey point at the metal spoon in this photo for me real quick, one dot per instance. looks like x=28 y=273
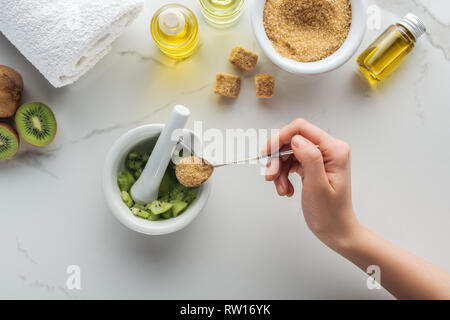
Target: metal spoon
x=275 y=155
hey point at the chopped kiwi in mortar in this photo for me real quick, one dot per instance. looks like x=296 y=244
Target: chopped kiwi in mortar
x=173 y=197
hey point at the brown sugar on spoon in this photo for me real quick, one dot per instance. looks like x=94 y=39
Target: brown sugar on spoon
x=193 y=171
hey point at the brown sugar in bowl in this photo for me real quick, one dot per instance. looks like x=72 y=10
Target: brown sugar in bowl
x=332 y=62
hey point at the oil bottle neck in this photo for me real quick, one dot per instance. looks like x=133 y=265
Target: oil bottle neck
x=172 y=21
x=414 y=25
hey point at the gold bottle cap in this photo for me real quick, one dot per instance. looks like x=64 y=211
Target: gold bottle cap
x=172 y=21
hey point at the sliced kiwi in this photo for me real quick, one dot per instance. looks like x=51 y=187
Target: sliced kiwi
x=178 y=207
x=158 y=207
x=36 y=123
x=126 y=198
x=166 y=215
x=9 y=142
x=167 y=183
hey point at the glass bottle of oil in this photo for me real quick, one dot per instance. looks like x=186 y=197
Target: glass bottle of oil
x=221 y=13
x=390 y=48
x=175 y=30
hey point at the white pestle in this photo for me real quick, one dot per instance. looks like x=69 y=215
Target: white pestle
x=145 y=190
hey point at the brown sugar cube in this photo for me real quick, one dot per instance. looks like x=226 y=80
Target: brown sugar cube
x=227 y=85
x=243 y=58
x=264 y=85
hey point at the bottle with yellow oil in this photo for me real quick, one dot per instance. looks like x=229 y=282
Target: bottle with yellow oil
x=221 y=13
x=390 y=48
x=175 y=30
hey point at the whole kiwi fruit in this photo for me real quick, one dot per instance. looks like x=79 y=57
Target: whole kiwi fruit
x=11 y=88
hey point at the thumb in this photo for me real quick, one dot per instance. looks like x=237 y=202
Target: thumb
x=311 y=160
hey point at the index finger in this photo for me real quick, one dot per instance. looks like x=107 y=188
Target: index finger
x=305 y=129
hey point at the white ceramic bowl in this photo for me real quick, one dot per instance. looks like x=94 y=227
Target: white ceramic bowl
x=337 y=59
x=143 y=138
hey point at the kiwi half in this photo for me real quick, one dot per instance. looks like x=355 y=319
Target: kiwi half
x=36 y=123
x=9 y=141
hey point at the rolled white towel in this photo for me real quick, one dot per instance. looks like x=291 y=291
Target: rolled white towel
x=63 y=39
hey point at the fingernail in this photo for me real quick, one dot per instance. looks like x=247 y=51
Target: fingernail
x=298 y=141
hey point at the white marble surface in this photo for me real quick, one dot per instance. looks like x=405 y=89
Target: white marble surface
x=247 y=243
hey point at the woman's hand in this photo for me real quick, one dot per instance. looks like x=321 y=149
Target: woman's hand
x=328 y=211
x=325 y=172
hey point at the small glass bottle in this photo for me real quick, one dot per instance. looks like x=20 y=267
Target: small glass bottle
x=390 y=48
x=221 y=13
x=175 y=30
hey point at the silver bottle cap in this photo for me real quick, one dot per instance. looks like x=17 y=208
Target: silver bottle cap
x=414 y=25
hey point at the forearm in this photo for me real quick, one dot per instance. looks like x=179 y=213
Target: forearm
x=403 y=274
